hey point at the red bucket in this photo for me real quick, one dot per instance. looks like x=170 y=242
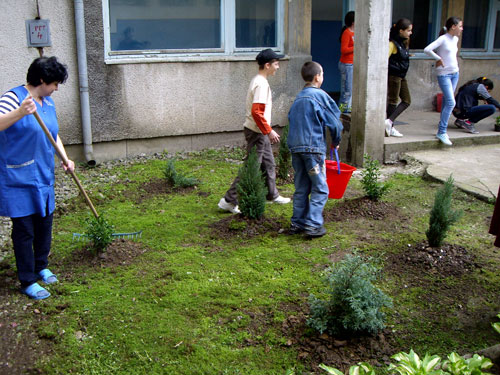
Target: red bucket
x=337 y=183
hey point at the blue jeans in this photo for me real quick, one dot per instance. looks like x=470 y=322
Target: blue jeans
x=31 y=237
x=311 y=190
x=477 y=113
x=448 y=84
x=346 y=72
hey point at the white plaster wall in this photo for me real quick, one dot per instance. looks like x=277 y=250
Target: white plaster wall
x=16 y=56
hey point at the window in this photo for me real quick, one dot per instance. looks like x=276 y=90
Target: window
x=138 y=29
x=481 y=36
x=424 y=14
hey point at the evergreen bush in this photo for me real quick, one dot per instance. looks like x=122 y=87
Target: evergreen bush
x=442 y=216
x=284 y=159
x=251 y=188
x=374 y=189
x=100 y=233
x=354 y=304
x=177 y=179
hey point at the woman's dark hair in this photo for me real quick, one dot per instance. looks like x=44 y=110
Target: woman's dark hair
x=46 y=69
x=488 y=83
x=402 y=24
x=348 y=21
x=452 y=21
x=309 y=70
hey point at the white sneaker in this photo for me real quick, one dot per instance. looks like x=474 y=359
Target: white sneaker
x=395 y=133
x=388 y=127
x=280 y=200
x=444 y=139
x=226 y=206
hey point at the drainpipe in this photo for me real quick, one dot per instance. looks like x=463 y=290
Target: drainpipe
x=84 y=83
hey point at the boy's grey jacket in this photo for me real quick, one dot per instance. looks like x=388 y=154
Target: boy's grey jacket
x=311 y=113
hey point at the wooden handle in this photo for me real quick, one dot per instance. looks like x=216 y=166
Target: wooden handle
x=66 y=162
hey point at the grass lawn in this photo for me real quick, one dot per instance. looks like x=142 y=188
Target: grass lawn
x=201 y=294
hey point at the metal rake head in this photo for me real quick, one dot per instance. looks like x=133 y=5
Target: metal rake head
x=128 y=236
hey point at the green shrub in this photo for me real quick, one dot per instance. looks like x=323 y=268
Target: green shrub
x=284 y=159
x=177 y=179
x=374 y=189
x=442 y=216
x=354 y=304
x=251 y=188
x=100 y=233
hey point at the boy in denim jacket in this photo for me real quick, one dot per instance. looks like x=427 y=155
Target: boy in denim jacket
x=312 y=112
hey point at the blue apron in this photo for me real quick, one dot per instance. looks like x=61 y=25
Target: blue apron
x=27 y=163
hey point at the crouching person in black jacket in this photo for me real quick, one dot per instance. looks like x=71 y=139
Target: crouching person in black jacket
x=467 y=111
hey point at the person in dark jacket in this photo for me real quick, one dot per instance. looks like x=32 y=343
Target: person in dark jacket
x=399 y=62
x=467 y=111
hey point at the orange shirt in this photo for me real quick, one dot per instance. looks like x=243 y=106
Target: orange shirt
x=347 y=47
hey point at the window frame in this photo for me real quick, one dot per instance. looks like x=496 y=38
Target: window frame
x=227 y=52
x=488 y=52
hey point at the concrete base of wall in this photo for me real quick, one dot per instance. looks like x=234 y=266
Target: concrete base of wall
x=105 y=151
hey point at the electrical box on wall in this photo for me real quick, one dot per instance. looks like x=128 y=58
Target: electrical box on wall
x=38 y=33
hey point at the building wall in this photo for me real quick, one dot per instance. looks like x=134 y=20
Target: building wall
x=16 y=56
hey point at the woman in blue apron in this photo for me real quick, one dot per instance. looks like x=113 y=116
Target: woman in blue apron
x=27 y=171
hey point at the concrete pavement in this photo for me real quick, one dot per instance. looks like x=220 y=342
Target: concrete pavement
x=473 y=160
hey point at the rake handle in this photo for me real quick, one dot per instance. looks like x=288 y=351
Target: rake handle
x=64 y=159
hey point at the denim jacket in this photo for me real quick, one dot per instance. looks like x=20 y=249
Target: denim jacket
x=311 y=113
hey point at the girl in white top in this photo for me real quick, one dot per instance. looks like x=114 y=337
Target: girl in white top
x=444 y=50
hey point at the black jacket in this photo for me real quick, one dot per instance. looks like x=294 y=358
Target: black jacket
x=399 y=62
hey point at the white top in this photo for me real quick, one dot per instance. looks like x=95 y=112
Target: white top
x=446 y=47
x=258 y=92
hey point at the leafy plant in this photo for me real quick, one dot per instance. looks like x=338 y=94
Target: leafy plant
x=354 y=304
x=284 y=160
x=457 y=365
x=177 y=179
x=442 y=216
x=100 y=233
x=411 y=364
x=496 y=326
x=374 y=189
x=251 y=188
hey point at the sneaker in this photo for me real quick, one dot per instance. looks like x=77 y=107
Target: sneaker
x=295 y=229
x=459 y=123
x=388 y=127
x=470 y=128
x=226 y=206
x=395 y=133
x=315 y=232
x=280 y=200
x=444 y=139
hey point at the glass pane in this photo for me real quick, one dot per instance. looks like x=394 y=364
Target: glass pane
x=475 y=21
x=496 y=44
x=419 y=12
x=255 y=23
x=164 y=24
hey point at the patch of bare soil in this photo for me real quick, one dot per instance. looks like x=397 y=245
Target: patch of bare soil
x=242 y=227
x=19 y=317
x=342 y=353
x=157 y=187
x=351 y=209
x=446 y=260
x=120 y=252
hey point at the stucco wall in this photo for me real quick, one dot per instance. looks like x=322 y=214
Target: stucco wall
x=148 y=100
x=16 y=56
x=423 y=82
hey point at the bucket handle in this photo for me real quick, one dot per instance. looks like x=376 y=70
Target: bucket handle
x=336 y=157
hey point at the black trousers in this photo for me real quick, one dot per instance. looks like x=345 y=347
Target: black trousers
x=32 y=238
